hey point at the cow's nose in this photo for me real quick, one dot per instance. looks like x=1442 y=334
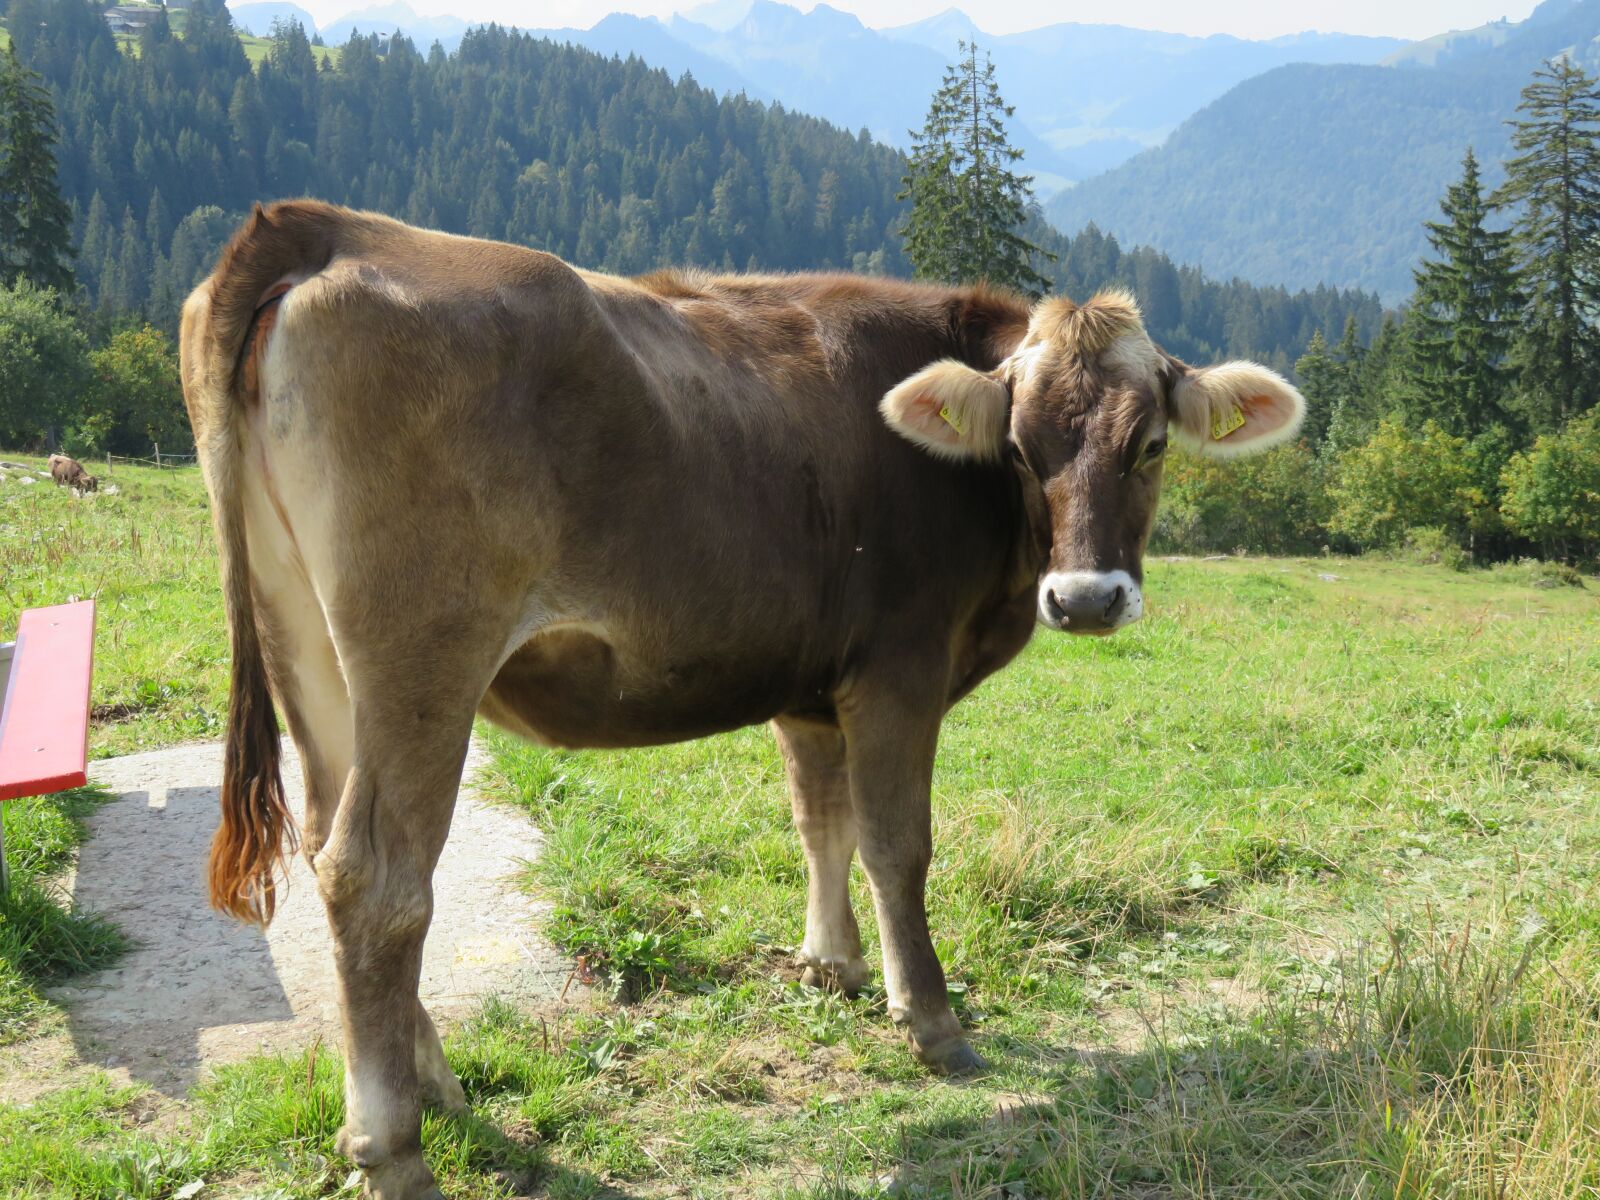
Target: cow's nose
x=1089 y=601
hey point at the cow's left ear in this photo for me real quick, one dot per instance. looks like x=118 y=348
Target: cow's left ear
x=1237 y=408
x=951 y=410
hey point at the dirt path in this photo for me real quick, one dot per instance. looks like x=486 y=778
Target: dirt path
x=199 y=988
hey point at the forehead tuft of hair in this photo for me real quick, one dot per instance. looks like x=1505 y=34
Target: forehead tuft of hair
x=1086 y=328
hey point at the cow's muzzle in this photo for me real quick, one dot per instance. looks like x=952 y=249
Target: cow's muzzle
x=1089 y=601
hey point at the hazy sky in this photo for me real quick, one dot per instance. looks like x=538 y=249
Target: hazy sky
x=1245 y=18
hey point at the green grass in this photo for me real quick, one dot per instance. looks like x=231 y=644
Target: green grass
x=146 y=556
x=1238 y=901
x=1289 y=891
x=42 y=940
x=256 y=49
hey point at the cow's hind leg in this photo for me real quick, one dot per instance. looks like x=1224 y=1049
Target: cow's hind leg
x=819 y=790
x=311 y=686
x=413 y=718
x=436 y=1080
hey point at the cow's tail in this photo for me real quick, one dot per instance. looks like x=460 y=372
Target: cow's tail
x=225 y=323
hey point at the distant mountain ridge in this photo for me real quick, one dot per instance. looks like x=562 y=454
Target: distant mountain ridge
x=1087 y=96
x=1325 y=174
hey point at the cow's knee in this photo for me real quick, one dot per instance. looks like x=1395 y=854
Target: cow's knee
x=344 y=870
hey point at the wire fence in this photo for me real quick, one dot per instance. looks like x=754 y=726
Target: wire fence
x=160 y=460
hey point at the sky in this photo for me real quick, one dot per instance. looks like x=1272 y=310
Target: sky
x=1243 y=18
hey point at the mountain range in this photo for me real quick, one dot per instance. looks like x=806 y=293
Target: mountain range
x=1087 y=96
x=1325 y=174
x=1297 y=161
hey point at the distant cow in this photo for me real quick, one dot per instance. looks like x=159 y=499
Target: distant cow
x=69 y=472
x=616 y=512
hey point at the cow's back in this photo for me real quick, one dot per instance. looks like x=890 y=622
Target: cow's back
x=688 y=482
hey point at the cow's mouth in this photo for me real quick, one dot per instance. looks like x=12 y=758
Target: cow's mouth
x=1089 y=602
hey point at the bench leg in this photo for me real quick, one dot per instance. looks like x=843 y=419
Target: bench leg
x=5 y=867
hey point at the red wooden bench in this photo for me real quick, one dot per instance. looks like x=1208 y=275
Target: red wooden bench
x=44 y=706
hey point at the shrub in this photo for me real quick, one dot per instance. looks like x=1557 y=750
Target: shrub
x=1552 y=492
x=1404 y=478
x=1430 y=544
x=136 y=399
x=44 y=364
x=1272 y=504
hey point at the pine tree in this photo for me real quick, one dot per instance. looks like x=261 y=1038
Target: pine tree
x=35 y=222
x=967 y=205
x=1351 y=354
x=1553 y=185
x=1369 y=385
x=1320 y=383
x=1464 y=315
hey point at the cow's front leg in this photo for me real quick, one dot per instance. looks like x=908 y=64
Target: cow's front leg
x=891 y=734
x=819 y=791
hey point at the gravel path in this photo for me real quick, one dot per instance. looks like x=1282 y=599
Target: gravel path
x=199 y=988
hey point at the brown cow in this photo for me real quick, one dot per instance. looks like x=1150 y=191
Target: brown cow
x=69 y=472
x=611 y=512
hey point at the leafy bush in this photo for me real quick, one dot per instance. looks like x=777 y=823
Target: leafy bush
x=1430 y=544
x=44 y=363
x=1552 y=492
x=1272 y=504
x=136 y=399
x=1539 y=574
x=1404 y=478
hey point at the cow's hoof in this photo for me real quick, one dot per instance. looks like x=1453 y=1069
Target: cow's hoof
x=400 y=1180
x=844 y=975
x=951 y=1057
x=403 y=1177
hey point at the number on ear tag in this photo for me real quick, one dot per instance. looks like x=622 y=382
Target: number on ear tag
x=1224 y=424
x=949 y=419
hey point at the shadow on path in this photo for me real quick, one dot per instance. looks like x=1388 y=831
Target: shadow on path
x=198 y=987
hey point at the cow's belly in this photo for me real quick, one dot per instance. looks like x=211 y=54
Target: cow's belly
x=575 y=688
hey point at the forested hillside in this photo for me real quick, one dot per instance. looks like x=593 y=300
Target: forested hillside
x=1311 y=174
x=608 y=163
x=604 y=161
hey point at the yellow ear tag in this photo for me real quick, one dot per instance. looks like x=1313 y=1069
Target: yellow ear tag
x=949 y=419
x=1222 y=426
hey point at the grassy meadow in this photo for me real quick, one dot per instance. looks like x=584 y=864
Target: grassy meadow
x=1288 y=891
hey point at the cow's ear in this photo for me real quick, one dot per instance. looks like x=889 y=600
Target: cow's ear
x=951 y=410
x=1237 y=408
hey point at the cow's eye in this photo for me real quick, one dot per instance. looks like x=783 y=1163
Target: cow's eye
x=1153 y=451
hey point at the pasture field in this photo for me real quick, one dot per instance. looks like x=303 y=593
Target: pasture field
x=256 y=49
x=1288 y=891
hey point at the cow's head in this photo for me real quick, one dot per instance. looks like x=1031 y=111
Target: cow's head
x=1087 y=405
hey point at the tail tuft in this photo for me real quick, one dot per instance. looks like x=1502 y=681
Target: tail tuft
x=257 y=833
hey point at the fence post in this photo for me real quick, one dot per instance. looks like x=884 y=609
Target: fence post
x=158 y=456
x=108 y=462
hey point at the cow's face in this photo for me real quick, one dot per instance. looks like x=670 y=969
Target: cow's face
x=1088 y=405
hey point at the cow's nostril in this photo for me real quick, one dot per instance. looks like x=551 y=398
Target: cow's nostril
x=1054 y=607
x=1118 y=599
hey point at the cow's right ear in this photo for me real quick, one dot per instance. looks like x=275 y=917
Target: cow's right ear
x=951 y=410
